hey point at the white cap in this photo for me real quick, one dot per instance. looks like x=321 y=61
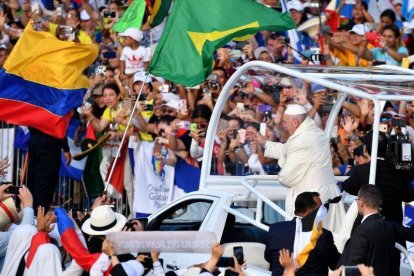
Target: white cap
x=295 y=5
x=140 y=76
x=167 y=96
x=173 y=104
x=359 y=29
x=134 y=33
x=295 y=109
x=84 y=16
x=260 y=50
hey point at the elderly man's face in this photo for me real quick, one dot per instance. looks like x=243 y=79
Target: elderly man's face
x=290 y=123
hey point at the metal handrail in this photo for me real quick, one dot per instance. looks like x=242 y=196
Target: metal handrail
x=406 y=254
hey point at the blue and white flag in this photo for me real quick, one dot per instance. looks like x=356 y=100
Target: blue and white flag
x=75 y=169
x=295 y=43
x=408 y=9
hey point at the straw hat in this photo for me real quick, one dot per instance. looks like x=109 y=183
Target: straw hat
x=8 y=212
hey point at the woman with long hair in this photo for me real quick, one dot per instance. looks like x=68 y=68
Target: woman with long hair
x=391 y=50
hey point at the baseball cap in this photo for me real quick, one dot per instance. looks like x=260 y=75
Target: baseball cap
x=260 y=50
x=295 y=5
x=134 y=33
x=315 y=88
x=140 y=76
x=358 y=29
x=173 y=104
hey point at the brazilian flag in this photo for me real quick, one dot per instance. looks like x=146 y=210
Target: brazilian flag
x=196 y=28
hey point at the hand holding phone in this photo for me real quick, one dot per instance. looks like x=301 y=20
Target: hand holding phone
x=238 y=253
x=13 y=190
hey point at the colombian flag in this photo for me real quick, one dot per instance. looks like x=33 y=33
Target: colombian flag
x=42 y=81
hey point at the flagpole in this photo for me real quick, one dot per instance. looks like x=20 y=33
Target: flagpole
x=124 y=135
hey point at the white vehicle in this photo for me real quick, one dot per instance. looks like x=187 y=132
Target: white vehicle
x=236 y=207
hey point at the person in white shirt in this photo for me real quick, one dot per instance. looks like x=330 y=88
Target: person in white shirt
x=134 y=57
x=306 y=163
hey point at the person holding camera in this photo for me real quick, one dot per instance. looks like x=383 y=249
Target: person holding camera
x=393 y=184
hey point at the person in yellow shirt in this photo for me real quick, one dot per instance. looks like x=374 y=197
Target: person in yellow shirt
x=114 y=120
x=70 y=31
x=348 y=47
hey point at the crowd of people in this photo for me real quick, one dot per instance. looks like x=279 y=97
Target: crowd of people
x=271 y=124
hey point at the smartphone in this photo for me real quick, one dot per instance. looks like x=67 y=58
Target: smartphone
x=238 y=253
x=142 y=98
x=350 y=271
x=130 y=225
x=264 y=107
x=229 y=272
x=235 y=133
x=193 y=127
x=240 y=107
x=109 y=55
x=14 y=190
x=225 y=262
x=127 y=104
x=183 y=106
x=59 y=10
x=262 y=129
x=184 y=125
x=149 y=107
x=110 y=14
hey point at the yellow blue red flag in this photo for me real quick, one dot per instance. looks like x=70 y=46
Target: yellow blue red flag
x=42 y=81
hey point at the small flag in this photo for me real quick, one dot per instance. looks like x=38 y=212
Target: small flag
x=132 y=17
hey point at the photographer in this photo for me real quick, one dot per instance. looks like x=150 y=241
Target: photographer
x=393 y=184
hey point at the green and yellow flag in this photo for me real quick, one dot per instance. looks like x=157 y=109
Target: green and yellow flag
x=132 y=17
x=196 y=28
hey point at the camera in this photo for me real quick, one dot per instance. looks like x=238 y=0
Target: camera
x=212 y=82
x=273 y=89
x=330 y=100
x=399 y=149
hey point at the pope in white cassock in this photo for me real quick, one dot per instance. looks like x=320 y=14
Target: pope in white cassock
x=306 y=163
